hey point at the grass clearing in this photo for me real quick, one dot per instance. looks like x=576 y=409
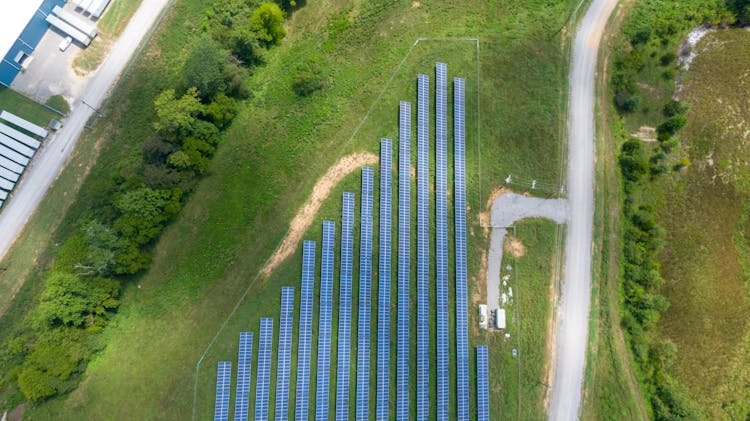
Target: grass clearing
x=258 y=178
x=24 y=107
x=701 y=211
x=110 y=26
x=611 y=386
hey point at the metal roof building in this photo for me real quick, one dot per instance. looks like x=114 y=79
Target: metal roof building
x=22 y=26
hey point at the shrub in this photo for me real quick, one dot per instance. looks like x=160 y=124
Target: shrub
x=673 y=108
x=673 y=124
x=58 y=103
x=667 y=58
x=221 y=111
x=268 y=22
x=309 y=77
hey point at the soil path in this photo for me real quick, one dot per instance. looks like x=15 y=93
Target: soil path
x=304 y=218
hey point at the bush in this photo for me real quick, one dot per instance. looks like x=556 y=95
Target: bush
x=221 y=111
x=673 y=108
x=58 y=103
x=309 y=77
x=667 y=58
x=268 y=22
x=673 y=124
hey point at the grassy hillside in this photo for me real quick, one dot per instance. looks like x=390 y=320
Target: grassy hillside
x=269 y=160
x=705 y=213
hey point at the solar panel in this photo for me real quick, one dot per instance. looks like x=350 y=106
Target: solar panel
x=462 y=340
x=305 y=331
x=324 y=327
x=244 y=364
x=441 y=240
x=423 y=248
x=223 y=382
x=384 y=284
x=483 y=385
x=263 y=381
x=404 y=223
x=365 y=272
x=286 y=320
x=345 y=307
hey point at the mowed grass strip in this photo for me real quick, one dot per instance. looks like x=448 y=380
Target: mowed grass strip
x=269 y=161
x=701 y=212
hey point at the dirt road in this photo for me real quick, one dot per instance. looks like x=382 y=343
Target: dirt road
x=573 y=311
x=51 y=158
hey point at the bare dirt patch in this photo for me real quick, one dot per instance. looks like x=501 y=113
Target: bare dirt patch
x=514 y=247
x=301 y=222
x=646 y=134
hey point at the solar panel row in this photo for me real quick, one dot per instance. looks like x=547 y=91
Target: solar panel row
x=483 y=385
x=404 y=223
x=263 y=382
x=423 y=248
x=384 y=285
x=223 y=383
x=441 y=240
x=244 y=364
x=462 y=340
x=286 y=320
x=324 y=326
x=305 y=331
x=365 y=271
x=345 y=307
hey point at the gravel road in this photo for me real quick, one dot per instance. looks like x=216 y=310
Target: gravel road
x=573 y=312
x=51 y=158
x=506 y=210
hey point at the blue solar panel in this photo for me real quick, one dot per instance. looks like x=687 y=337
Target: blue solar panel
x=345 y=307
x=324 y=328
x=305 y=331
x=423 y=248
x=483 y=385
x=365 y=272
x=462 y=340
x=404 y=223
x=244 y=363
x=441 y=240
x=263 y=382
x=384 y=284
x=223 y=384
x=286 y=320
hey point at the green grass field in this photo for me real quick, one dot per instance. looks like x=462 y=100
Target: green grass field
x=702 y=211
x=21 y=106
x=271 y=157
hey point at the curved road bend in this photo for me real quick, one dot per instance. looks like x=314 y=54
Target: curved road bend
x=51 y=158
x=573 y=311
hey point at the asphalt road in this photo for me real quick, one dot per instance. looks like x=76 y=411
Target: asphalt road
x=51 y=158
x=573 y=312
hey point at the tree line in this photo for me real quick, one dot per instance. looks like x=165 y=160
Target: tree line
x=651 y=37
x=114 y=242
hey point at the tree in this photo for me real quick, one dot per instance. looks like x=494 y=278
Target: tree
x=176 y=117
x=69 y=300
x=673 y=124
x=267 y=21
x=143 y=212
x=204 y=68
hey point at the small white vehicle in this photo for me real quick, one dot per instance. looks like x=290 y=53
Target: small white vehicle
x=64 y=44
